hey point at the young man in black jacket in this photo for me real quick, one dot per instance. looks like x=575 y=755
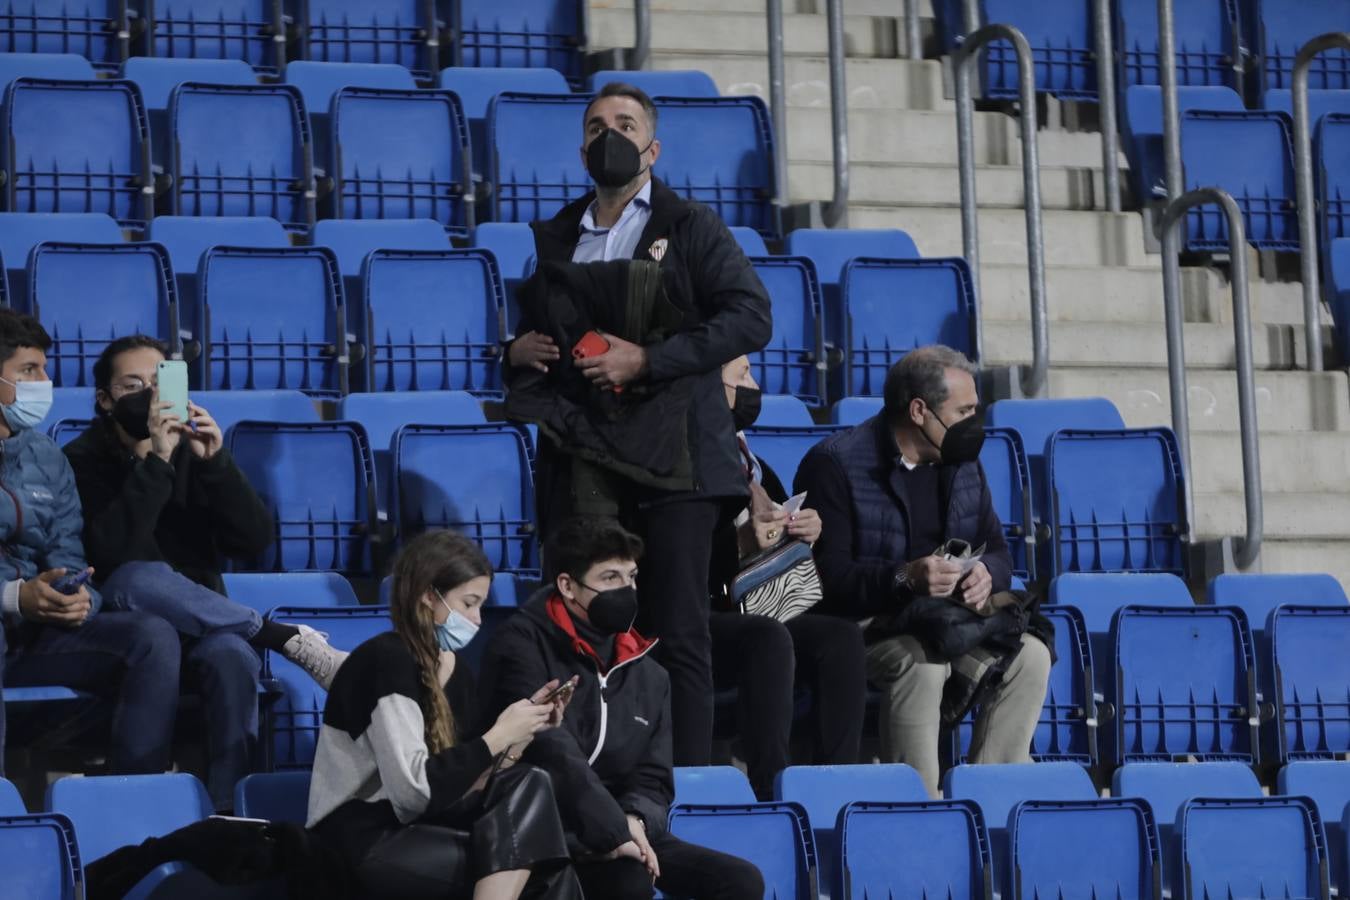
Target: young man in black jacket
x=611 y=758
x=631 y=215
x=164 y=504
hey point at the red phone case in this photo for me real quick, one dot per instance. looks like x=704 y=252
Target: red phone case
x=591 y=344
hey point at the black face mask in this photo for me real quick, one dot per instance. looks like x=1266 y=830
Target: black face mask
x=132 y=412
x=746 y=410
x=613 y=160
x=613 y=611
x=962 y=442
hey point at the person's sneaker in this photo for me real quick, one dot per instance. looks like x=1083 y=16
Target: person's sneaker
x=311 y=651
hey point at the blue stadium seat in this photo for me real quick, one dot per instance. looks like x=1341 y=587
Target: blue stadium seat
x=1337 y=292
x=783 y=411
x=297 y=715
x=378 y=173
x=1110 y=524
x=1004 y=461
x=823 y=791
x=229 y=407
x=158 y=77
x=1097 y=595
x=672 y=83
x=11 y=804
x=476 y=88
x=512 y=244
x=1258 y=595
x=242 y=151
x=529 y=34
x=353 y=239
x=63 y=431
x=275 y=319
x=112 y=811
x=1327 y=784
x=914 y=851
x=508 y=590
x=789 y=363
x=320 y=81
x=1185 y=685
x=471 y=478
x=96 y=29
x=275 y=796
x=893 y=306
x=751 y=241
x=1270 y=847
x=1260 y=179
x=532 y=158
x=1060 y=34
x=77 y=147
x=1312 y=680
x=71 y=403
x=1141 y=127
x=39 y=856
x=401 y=32
x=833 y=248
x=264 y=591
x=782 y=448
x=62 y=66
x=323 y=515
x=188 y=237
x=1085 y=848
x=709 y=785
x=21 y=232
x=1331 y=156
x=1284 y=26
x=87 y=295
x=1320 y=102
x=1205 y=32
x=773 y=836
x=216 y=29
x=434 y=321
x=854 y=410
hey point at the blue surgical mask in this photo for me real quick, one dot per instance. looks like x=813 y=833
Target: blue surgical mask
x=456 y=631
x=32 y=402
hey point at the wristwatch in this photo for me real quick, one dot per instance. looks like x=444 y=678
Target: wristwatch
x=900 y=580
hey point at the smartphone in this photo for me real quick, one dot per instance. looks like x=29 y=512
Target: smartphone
x=71 y=584
x=592 y=343
x=561 y=692
x=173 y=388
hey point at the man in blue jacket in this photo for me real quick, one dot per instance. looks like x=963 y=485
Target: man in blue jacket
x=891 y=493
x=55 y=638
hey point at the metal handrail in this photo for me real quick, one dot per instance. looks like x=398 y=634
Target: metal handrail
x=642 y=32
x=1032 y=380
x=913 y=40
x=1249 y=547
x=1106 y=101
x=836 y=211
x=1307 y=200
x=778 y=99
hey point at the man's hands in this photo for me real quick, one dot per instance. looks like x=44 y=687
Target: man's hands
x=639 y=848
x=532 y=350
x=621 y=363
x=976 y=587
x=40 y=602
x=934 y=576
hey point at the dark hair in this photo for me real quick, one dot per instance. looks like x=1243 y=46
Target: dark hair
x=583 y=541
x=921 y=374
x=619 y=89
x=103 y=368
x=442 y=560
x=20 y=330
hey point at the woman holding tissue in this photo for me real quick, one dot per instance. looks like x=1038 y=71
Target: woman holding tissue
x=402 y=788
x=767 y=659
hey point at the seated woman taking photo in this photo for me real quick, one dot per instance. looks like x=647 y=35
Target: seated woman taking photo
x=402 y=788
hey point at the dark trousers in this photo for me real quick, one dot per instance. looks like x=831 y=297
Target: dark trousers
x=128 y=658
x=765 y=660
x=687 y=870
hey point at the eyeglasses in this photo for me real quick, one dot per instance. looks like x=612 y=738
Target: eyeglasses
x=131 y=385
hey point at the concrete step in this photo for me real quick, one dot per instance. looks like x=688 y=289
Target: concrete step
x=1314 y=516
x=869 y=83
x=904 y=185
x=686 y=31
x=1121 y=344
x=1291 y=462
x=1285 y=401
x=1308 y=556
x=1072 y=237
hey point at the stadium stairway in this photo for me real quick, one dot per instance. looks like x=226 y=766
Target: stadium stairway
x=1104 y=287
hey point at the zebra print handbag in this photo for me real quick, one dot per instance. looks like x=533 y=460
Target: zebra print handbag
x=780 y=582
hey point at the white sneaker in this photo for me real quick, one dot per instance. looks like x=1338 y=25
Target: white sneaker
x=311 y=651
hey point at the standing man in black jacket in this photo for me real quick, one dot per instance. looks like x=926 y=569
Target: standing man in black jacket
x=164 y=505
x=632 y=215
x=610 y=760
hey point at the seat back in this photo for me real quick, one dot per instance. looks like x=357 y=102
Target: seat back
x=1205 y=34
x=64 y=431
x=1185 y=684
x=783 y=449
x=894 y=306
x=21 y=232
x=112 y=811
x=1260 y=594
x=98 y=30
x=229 y=407
x=1332 y=154
x=265 y=591
x=274 y=796
x=1284 y=28
x=1327 y=784
x=1142 y=127
x=215 y=29
x=470 y=478
x=1116 y=524
x=1319 y=103
x=831 y=249
x=1268 y=847
x=1085 y=848
x=513 y=245
x=1261 y=179
x=76 y=147
x=1004 y=461
x=434 y=321
x=11 y=804
x=158 y=77
x=521 y=34
x=1168 y=786
x=188 y=237
x=322 y=519
x=783 y=411
x=63 y=66
x=751 y=241
x=788 y=363
x=319 y=81
x=775 y=837
x=242 y=151
x=380 y=174
x=275 y=320
x=1097 y=595
x=70 y=403
x=854 y=410
x=393 y=32
x=531 y=144
x=39 y=856
x=88 y=295
x=914 y=851
x=1312 y=680
x=352 y=240
x=476 y=87
x=668 y=83
x=1060 y=34
x=708 y=785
